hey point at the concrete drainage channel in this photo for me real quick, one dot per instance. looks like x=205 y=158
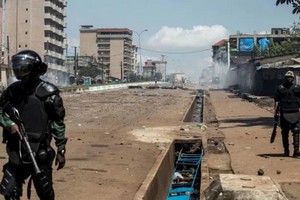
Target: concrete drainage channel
x=176 y=174
x=213 y=181
x=156 y=186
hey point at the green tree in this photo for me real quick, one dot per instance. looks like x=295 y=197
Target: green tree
x=275 y=49
x=133 y=77
x=294 y=3
x=256 y=51
x=89 y=71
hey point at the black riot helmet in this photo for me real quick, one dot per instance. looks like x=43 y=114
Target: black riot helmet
x=28 y=62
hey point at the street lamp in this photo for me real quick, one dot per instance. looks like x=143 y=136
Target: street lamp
x=75 y=64
x=102 y=69
x=139 y=35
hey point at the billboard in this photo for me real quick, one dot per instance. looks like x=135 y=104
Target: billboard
x=263 y=43
x=246 y=44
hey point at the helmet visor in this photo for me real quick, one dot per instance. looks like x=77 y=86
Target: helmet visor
x=22 y=64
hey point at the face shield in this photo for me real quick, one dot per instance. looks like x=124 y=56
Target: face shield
x=289 y=79
x=22 y=65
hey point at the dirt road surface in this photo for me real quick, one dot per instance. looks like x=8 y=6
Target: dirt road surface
x=116 y=136
x=114 y=139
x=247 y=127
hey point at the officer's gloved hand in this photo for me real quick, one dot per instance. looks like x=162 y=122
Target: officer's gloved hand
x=14 y=129
x=60 y=159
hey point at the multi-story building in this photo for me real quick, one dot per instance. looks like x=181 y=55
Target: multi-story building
x=161 y=69
x=220 y=51
x=112 y=47
x=243 y=45
x=155 y=69
x=39 y=26
x=135 y=63
x=3 y=77
x=252 y=67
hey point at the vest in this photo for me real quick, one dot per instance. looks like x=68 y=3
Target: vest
x=289 y=100
x=31 y=106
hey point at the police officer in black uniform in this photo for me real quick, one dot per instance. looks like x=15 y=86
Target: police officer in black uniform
x=287 y=96
x=42 y=112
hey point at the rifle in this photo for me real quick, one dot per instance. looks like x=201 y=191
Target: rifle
x=13 y=114
x=42 y=181
x=276 y=119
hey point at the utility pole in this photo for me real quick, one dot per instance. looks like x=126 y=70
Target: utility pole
x=102 y=69
x=165 y=66
x=75 y=64
x=17 y=24
x=8 y=73
x=140 y=49
x=121 y=66
x=228 y=54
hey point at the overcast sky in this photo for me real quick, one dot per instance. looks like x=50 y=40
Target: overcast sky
x=181 y=31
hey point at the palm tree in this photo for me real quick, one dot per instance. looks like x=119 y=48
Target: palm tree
x=295 y=3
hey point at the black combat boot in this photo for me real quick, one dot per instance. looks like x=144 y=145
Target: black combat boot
x=286 y=153
x=296 y=146
x=12 y=198
x=285 y=141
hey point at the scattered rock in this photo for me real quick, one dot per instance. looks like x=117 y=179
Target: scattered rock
x=260 y=172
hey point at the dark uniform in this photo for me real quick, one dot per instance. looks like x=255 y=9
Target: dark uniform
x=42 y=112
x=287 y=95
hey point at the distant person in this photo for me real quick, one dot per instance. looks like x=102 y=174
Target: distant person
x=287 y=96
x=42 y=113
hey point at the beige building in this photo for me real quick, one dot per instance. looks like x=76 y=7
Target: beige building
x=3 y=77
x=38 y=25
x=112 y=47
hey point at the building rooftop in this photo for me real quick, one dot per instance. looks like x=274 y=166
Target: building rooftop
x=220 y=43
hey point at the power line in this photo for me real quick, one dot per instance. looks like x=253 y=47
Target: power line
x=163 y=52
x=72 y=54
x=187 y=52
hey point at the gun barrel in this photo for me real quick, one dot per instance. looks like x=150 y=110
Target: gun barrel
x=32 y=158
x=13 y=114
x=28 y=148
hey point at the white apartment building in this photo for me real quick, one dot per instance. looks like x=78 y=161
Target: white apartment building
x=37 y=25
x=112 y=47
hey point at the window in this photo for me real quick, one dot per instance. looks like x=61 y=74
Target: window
x=233 y=43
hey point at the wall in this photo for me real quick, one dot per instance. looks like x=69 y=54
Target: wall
x=156 y=184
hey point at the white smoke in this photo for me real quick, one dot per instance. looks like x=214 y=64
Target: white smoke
x=226 y=75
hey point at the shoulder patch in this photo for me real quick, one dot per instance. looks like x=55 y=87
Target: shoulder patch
x=49 y=87
x=297 y=88
x=45 y=89
x=281 y=88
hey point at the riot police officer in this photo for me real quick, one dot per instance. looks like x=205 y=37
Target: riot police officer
x=42 y=112
x=287 y=96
